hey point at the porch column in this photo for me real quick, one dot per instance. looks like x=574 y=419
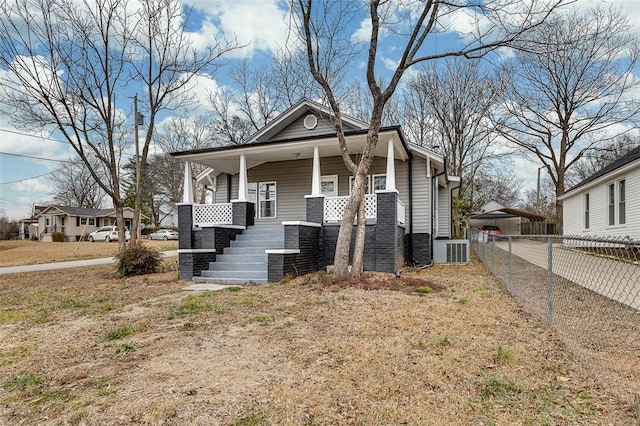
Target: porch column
x=243 y=194
x=391 y=168
x=187 y=193
x=315 y=177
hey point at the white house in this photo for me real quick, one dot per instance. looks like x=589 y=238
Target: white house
x=607 y=203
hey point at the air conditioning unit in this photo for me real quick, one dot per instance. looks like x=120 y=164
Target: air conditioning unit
x=451 y=251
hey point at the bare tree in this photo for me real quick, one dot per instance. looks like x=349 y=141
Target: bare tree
x=66 y=63
x=324 y=29
x=608 y=153
x=456 y=100
x=167 y=67
x=543 y=202
x=261 y=94
x=69 y=62
x=75 y=186
x=571 y=85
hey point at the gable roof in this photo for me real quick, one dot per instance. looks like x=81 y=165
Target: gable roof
x=303 y=107
x=626 y=159
x=507 y=212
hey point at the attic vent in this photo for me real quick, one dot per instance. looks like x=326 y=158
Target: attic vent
x=310 y=121
x=451 y=251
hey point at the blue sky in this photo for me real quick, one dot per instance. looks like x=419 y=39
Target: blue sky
x=26 y=161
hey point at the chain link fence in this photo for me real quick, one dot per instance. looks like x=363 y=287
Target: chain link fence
x=587 y=289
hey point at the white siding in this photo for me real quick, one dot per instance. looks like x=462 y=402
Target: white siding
x=421 y=197
x=444 y=212
x=573 y=222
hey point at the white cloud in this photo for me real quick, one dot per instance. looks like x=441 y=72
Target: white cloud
x=262 y=25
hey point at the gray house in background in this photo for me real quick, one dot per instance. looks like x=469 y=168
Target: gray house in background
x=277 y=201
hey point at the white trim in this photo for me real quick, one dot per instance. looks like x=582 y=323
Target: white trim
x=390 y=179
x=242 y=183
x=315 y=173
x=282 y=251
x=301 y=223
x=222 y=225
x=187 y=251
x=310 y=121
x=315 y=196
x=187 y=192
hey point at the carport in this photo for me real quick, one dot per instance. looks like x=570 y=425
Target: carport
x=511 y=221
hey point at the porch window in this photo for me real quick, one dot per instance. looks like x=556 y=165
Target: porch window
x=586 y=211
x=329 y=185
x=367 y=184
x=621 y=202
x=252 y=195
x=612 y=204
x=379 y=182
x=267 y=196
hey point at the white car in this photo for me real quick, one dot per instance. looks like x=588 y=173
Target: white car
x=107 y=234
x=163 y=234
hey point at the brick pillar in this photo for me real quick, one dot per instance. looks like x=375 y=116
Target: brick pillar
x=243 y=213
x=386 y=231
x=315 y=208
x=185 y=241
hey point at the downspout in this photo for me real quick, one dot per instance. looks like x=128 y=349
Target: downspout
x=228 y=188
x=434 y=179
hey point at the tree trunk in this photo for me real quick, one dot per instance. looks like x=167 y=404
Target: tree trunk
x=122 y=230
x=343 y=245
x=358 y=248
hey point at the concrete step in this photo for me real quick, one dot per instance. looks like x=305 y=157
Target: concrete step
x=249 y=257
x=227 y=280
x=241 y=251
x=245 y=275
x=238 y=265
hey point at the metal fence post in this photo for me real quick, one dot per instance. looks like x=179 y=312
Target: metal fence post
x=550 y=281
x=493 y=254
x=510 y=282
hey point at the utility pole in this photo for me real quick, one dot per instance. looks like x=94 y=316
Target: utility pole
x=137 y=123
x=538 y=192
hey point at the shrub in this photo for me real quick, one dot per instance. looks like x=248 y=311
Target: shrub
x=58 y=237
x=138 y=260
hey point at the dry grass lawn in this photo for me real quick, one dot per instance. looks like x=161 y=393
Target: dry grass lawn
x=24 y=252
x=85 y=347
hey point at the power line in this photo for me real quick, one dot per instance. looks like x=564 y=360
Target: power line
x=32 y=136
x=37 y=158
x=32 y=177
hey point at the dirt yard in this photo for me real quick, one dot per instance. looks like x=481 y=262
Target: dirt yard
x=85 y=347
x=23 y=252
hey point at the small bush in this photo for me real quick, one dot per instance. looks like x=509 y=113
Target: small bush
x=58 y=237
x=138 y=260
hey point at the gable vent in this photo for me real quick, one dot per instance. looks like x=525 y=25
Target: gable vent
x=451 y=251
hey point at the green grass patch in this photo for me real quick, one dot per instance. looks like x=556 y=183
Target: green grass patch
x=499 y=388
x=262 y=319
x=13 y=355
x=125 y=348
x=464 y=301
x=481 y=288
x=21 y=382
x=250 y=420
x=195 y=304
x=425 y=289
x=505 y=356
x=119 y=333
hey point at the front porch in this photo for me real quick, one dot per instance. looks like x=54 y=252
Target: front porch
x=222 y=243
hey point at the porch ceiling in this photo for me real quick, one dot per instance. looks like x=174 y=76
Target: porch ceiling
x=227 y=160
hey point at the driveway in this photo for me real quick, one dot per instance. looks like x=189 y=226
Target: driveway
x=65 y=265
x=614 y=279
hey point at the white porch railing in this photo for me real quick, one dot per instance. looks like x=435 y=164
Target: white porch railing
x=212 y=214
x=334 y=207
x=400 y=211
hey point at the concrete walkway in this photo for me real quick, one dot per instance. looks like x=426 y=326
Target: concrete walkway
x=70 y=264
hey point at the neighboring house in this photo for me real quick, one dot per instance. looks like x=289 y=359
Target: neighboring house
x=510 y=221
x=286 y=188
x=76 y=222
x=607 y=203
